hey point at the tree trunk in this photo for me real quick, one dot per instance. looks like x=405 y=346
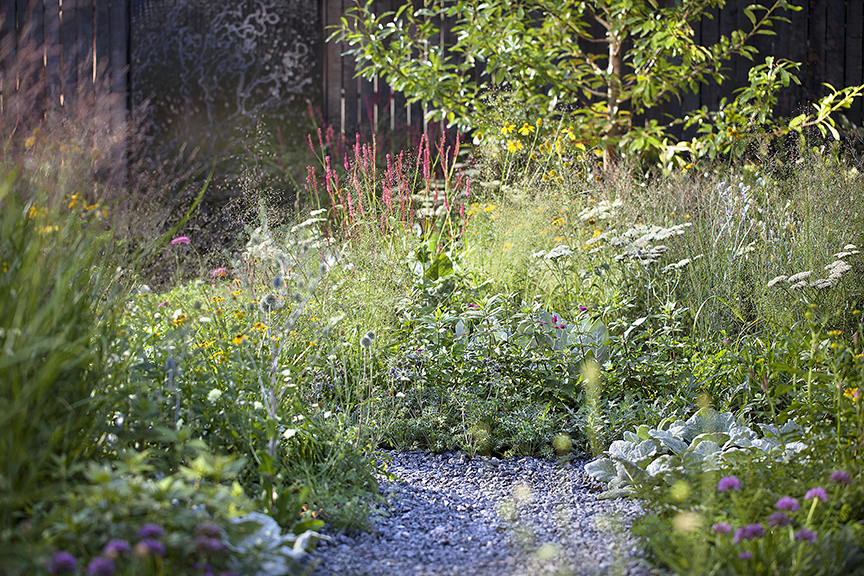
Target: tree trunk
x=613 y=92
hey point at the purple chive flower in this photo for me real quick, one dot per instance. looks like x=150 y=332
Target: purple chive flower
x=208 y=529
x=778 y=519
x=745 y=556
x=749 y=532
x=729 y=483
x=116 y=548
x=583 y=309
x=817 y=492
x=180 y=240
x=151 y=530
x=721 y=528
x=100 y=566
x=208 y=546
x=787 y=503
x=805 y=534
x=841 y=477
x=61 y=563
x=149 y=547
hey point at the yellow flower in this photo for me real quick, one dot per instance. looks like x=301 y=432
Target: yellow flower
x=216 y=299
x=539 y=122
x=508 y=128
x=507 y=246
x=30 y=142
x=850 y=393
x=73 y=200
x=526 y=129
x=572 y=136
x=514 y=145
x=260 y=326
x=239 y=339
x=179 y=320
x=237 y=293
x=239 y=313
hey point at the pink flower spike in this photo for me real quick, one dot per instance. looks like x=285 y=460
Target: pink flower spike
x=162 y=304
x=219 y=272
x=180 y=240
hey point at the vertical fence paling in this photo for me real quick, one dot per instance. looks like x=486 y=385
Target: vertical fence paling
x=74 y=45
x=826 y=37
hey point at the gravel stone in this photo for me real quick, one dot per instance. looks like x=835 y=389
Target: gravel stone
x=450 y=515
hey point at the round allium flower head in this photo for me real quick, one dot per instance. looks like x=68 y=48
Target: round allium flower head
x=365 y=342
x=778 y=519
x=745 y=556
x=749 y=532
x=61 y=563
x=100 y=566
x=729 y=483
x=208 y=529
x=149 y=547
x=269 y=303
x=817 y=492
x=370 y=334
x=209 y=546
x=721 y=528
x=180 y=240
x=787 y=503
x=841 y=477
x=116 y=548
x=151 y=530
x=277 y=282
x=805 y=534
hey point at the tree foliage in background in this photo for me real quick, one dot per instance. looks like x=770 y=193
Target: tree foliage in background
x=546 y=53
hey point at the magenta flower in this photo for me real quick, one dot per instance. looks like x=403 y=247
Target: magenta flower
x=745 y=556
x=583 y=309
x=805 y=534
x=787 y=503
x=721 y=528
x=100 y=566
x=180 y=240
x=817 y=492
x=749 y=532
x=161 y=305
x=778 y=519
x=729 y=483
x=841 y=477
x=61 y=563
x=216 y=273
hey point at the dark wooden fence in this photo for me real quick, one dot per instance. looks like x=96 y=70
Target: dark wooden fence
x=80 y=38
x=80 y=41
x=825 y=37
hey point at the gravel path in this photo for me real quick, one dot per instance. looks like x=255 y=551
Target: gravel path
x=453 y=515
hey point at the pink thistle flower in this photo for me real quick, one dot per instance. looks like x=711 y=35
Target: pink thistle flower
x=180 y=240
